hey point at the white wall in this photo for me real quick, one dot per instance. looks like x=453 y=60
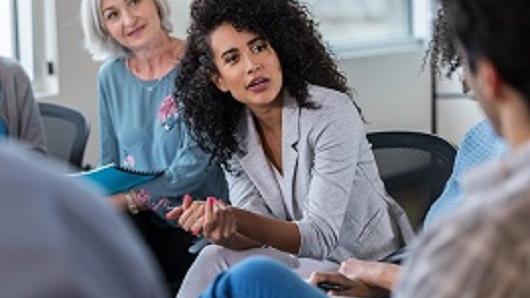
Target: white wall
x=391 y=91
x=456 y=112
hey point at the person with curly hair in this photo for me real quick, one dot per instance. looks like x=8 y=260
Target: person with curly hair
x=267 y=101
x=481 y=248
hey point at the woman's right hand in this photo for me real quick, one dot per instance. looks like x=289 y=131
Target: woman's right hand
x=189 y=215
x=219 y=224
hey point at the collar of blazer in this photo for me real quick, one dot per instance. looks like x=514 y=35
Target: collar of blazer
x=256 y=165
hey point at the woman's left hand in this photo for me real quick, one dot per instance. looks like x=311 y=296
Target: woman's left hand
x=219 y=224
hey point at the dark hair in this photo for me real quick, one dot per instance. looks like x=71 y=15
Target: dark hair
x=442 y=53
x=498 y=31
x=214 y=116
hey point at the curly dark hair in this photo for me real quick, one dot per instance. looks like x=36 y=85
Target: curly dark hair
x=287 y=25
x=442 y=52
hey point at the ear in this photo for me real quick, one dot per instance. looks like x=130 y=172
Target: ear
x=490 y=80
x=219 y=83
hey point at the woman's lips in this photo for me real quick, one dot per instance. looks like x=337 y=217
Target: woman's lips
x=136 y=31
x=259 y=85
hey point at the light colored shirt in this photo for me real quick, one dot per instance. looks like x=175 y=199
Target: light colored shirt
x=60 y=239
x=480 y=144
x=19 y=113
x=483 y=249
x=141 y=128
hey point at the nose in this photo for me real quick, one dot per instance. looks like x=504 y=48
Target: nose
x=252 y=64
x=129 y=18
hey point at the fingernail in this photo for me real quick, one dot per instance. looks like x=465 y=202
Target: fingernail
x=214 y=199
x=210 y=200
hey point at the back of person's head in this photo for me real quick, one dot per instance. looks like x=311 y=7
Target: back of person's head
x=498 y=31
x=59 y=239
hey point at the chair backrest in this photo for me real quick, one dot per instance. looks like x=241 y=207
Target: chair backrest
x=414 y=167
x=66 y=132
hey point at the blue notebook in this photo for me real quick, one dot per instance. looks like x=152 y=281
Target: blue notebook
x=114 y=179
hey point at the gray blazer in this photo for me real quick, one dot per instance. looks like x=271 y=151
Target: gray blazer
x=331 y=186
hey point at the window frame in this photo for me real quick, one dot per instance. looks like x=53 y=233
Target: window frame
x=10 y=22
x=34 y=42
x=418 y=30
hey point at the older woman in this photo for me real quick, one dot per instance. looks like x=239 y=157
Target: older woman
x=141 y=127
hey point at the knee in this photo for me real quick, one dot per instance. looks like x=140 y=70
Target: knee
x=259 y=269
x=211 y=251
x=212 y=254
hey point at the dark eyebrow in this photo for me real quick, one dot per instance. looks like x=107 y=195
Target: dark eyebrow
x=252 y=41
x=229 y=51
x=233 y=50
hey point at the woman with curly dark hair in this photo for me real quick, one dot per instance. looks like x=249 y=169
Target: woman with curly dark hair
x=264 y=96
x=259 y=277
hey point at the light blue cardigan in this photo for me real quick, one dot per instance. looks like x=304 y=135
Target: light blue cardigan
x=141 y=128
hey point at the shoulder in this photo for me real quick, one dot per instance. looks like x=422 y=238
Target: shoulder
x=481 y=235
x=482 y=132
x=481 y=143
x=483 y=135
x=111 y=67
x=49 y=188
x=331 y=106
x=10 y=68
x=328 y=98
x=19 y=165
x=63 y=210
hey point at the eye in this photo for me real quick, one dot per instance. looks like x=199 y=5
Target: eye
x=259 y=46
x=111 y=15
x=231 y=58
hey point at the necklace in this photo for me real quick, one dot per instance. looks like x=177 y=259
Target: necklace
x=151 y=85
x=147 y=85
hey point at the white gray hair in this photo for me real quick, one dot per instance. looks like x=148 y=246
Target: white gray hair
x=98 y=41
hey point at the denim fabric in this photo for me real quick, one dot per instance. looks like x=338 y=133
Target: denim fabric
x=261 y=278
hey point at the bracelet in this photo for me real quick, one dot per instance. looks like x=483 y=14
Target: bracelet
x=131 y=204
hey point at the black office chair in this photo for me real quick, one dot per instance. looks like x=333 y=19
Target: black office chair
x=66 y=132
x=414 y=167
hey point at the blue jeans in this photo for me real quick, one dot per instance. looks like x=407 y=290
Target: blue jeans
x=260 y=277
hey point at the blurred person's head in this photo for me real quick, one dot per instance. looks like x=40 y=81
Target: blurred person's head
x=60 y=239
x=493 y=37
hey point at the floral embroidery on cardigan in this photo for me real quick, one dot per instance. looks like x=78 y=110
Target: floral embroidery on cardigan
x=129 y=161
x=168 y=112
